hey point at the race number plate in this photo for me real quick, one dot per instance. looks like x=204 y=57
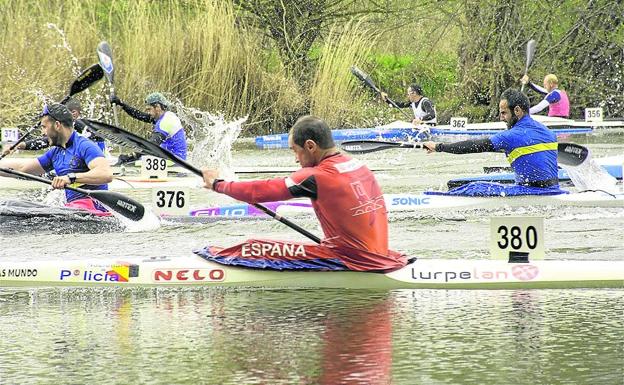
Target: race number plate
x=171 y=201
x=10 y=135
x=458 y=123
x=593 y=114
x=153 y=167
x=516 y=235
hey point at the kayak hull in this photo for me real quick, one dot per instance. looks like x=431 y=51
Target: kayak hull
x=423 y=274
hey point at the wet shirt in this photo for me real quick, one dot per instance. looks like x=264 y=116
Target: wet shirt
x=75 y=158
x=348 y=203
x=170 y=126
x=531 y=149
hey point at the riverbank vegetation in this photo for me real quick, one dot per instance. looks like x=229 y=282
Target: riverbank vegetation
x=276 y=60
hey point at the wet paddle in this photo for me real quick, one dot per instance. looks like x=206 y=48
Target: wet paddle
x=105 y=54
x=571 y=154
x=358 y=73
x=82 y=82
x=125 y=206
x=128 y=139
x=530 y=53
x=366 y=146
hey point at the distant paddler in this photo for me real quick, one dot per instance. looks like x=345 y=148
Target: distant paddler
x=555 y=99
x=530 y=147
x=168 y=131
x=422 y=106
x=346 y=198
x=77 y=161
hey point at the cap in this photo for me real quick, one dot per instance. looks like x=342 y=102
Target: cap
x=157 y=97
x=58 y=112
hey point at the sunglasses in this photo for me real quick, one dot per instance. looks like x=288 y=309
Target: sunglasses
x=47 y=112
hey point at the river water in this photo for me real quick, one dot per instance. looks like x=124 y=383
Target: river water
x=219 y=336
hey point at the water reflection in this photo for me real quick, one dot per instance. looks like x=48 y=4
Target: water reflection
x=230 y=336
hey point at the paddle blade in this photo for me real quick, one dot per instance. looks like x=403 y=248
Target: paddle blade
x=530 y=53
x=86 y=79
x=105 y=54
x=119 y=203
x=358 y=73
x=128 y=139
x=571 y=154
x=366 y=146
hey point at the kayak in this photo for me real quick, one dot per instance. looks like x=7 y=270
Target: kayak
x=405 y=131
x=193 y=270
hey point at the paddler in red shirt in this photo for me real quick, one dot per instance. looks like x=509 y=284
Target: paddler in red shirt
x=345 y=196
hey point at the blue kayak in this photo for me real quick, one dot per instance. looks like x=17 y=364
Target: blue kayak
x=508 y=177
x=404 y=132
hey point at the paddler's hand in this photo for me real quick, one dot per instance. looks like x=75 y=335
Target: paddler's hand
x=60 y=181
x=416 y=122
x=384 y=96
x=430 y=146
x=525 y=79
x=209 y=176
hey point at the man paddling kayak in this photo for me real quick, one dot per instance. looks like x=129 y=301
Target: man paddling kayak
x=345 y=196
x=76 y=160
x=555 y=99
x=530 y=147
x=168 y=131
x=424 y=111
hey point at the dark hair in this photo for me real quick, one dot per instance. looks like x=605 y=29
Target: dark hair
x=515 y=98
x=416 y=88
x=312 y=128
x=59 y=113
x=73 y=105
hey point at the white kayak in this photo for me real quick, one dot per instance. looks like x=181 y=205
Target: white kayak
x=191 y=270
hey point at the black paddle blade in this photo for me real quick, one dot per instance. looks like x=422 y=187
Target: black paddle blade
x=571 y=154
x=128 y=139
x=86 y=79
x=105 y=54
x=119 y=203
x=358 y=73
x=366 y=146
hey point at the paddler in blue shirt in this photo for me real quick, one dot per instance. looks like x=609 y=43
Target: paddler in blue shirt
x=77 y=160
x=168 y=131
x=530 y=147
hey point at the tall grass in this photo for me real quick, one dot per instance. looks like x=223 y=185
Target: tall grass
x=333 y=92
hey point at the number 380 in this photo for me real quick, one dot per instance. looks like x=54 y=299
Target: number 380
x=514 y=238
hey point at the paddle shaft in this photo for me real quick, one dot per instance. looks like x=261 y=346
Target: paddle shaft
x=358 y=73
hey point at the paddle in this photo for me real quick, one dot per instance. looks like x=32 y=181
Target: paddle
x=571 y=154
x=125 y=206
x=530 y=52
x=82 y=82
x=358 y=73
x=105 y=54
x=128 y=139
x=366 y=146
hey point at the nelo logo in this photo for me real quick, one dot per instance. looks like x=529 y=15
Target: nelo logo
x=525 y=272
x=188 y=275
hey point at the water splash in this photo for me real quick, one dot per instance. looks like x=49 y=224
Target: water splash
x=211 y=137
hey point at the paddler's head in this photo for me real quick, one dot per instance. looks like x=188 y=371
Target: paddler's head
x=513 y=106
x=57 y=124
x=414 y=92
x=311 y=141
x=157 y=105
x=550 y=82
